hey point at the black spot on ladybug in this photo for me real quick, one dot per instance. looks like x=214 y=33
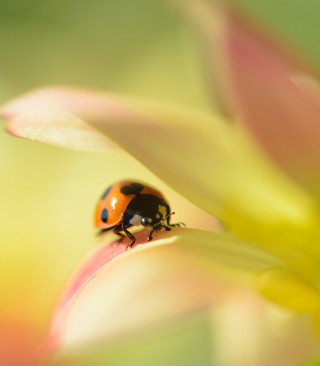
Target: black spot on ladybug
x=104 y=215
x=106 y=193
x=134 y=188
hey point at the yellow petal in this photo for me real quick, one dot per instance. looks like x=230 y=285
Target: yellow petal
x=288 y=289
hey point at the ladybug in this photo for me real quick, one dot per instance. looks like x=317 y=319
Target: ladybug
x=127 y=204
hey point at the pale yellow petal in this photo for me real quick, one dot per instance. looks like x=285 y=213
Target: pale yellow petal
x=288 y=289
x=43 y=115
x=199 y=155
x=118 y=292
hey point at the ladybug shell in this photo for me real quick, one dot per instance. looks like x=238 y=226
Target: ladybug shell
x=115 y=200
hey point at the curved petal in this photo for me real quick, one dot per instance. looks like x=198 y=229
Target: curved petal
x=172 y=273
x=199 y=155
x=288 y=289
x=261 y=324
x=269 y=90
x=279 y=101
x=43 y=116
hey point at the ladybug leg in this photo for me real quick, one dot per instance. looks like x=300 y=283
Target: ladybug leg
x=168 y=220
x=167 y=227
x=124 y=228
x=150 y=235
x=116 y=231
x=157 y=229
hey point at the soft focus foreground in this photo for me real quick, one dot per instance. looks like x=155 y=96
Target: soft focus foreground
x=55 y=191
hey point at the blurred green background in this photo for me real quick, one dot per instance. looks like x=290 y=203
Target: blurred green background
x=139 y=47
x=126 y=46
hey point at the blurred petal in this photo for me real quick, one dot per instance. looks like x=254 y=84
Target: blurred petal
x=267 y=333
x=41 y=116
x=185 y=343
x=179 y=271
x=199 y=155
x=288 y=289
x=276 y=97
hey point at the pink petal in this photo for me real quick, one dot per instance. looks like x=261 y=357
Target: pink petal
x=47 y=115
x=262 y=84
x=95 y=264
x=177 y=276
x=278 y=99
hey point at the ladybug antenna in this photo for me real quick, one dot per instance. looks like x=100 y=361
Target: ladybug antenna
x=172 y=213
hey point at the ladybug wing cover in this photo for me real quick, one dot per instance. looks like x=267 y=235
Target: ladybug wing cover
x=111 y=207
x=149 y=190
x=115 y=200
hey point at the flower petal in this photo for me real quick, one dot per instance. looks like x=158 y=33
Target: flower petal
x=199 y=155
x=267 y=333
x=279 y=101
x=179 y=271
x=184 y=343
x=288 y=289
x=273 y=94
x=42 y=115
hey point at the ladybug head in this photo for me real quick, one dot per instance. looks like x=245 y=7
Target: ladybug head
x=152 y=220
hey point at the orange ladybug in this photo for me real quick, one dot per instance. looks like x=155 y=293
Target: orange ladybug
x=127 y=204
